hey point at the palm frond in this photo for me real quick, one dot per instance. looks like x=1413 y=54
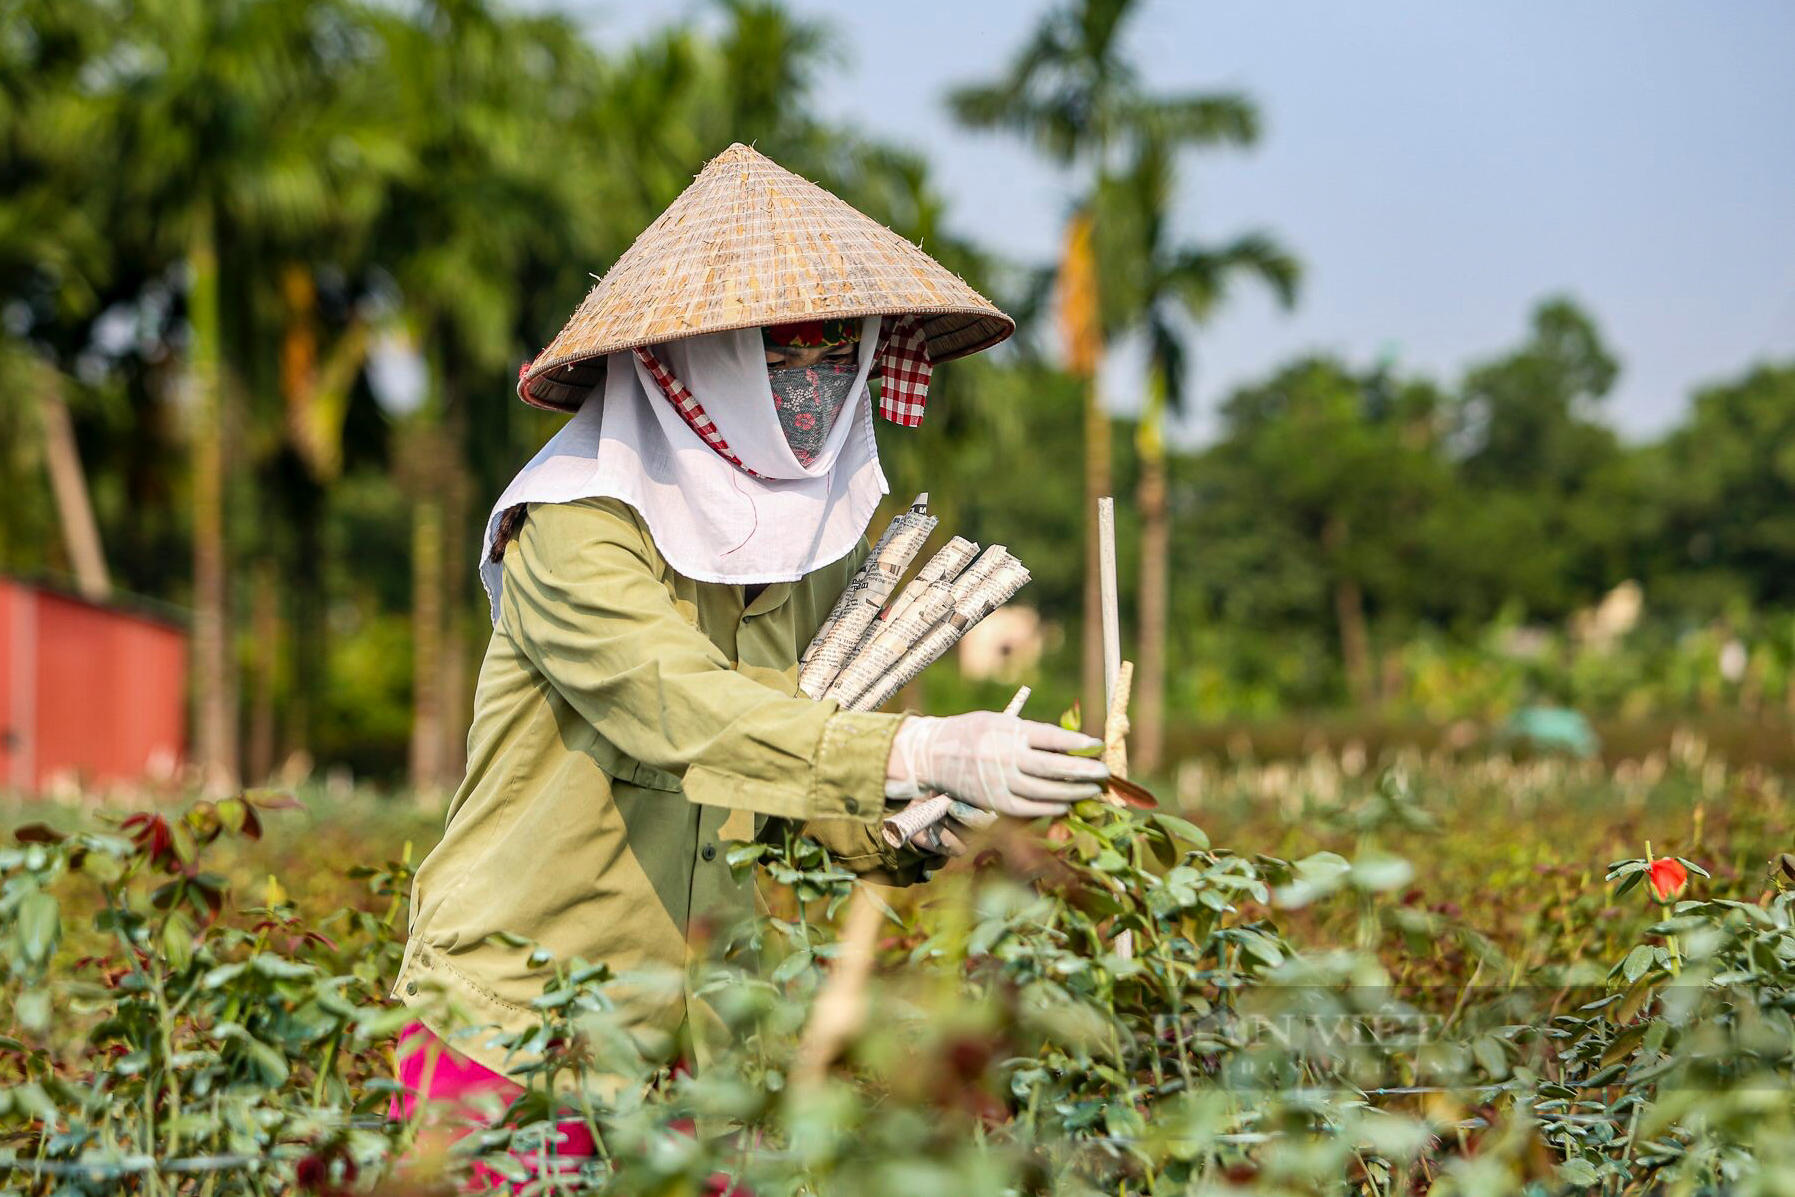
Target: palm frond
x=1194 y=120
x=1200 y=277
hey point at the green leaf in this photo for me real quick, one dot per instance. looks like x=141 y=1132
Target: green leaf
x=280 y=968
x=376 y=1023
x=271 y=1063
x=33 y=1010
x=272 y=800
x=1259 y=947
x=177 y=942
x=1378 y=874
x=884 y=907
x=745 y=853
x=1637 y=961
x=1489 y=1053
x=231 y=812
x=180 y=838
x=793 y=965
x=1184 y=829
x=39 y=926
x=102 y=867
x=1579 y=1172
x=222 y=973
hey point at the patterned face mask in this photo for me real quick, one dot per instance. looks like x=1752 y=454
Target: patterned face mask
x=808 y=400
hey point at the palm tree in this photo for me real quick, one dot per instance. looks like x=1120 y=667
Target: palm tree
x=1072 y=92
x=52 y=250
x=228 y=111
x=495 y=109
x=1162 y=290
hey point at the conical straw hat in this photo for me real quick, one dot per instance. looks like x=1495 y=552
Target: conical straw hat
x=750 y=244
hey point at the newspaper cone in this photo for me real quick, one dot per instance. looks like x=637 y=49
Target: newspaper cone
x=946 y=565
x=889 y=643
x=923 y=812
x=978 y=601
x=922 y=604
x=864 y=597
x=846 y=598
x=862 y=672
x=980 y=571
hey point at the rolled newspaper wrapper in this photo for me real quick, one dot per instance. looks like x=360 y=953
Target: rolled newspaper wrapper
x=947 y=564
x=925 y=812
x=914 y=614
x=923 y=603
x=889 y=643
x=980 y=571
x=982 y=599
x=855 y=585
x=864 y=599
x=913 y=818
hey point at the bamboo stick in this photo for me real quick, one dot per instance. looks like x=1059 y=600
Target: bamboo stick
x=1115 y=725
x=1106 y=578
x=1115 y=683
x=840 y=1008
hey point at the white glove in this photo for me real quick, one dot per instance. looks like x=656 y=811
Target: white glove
x=937 y=839
x=995 y=762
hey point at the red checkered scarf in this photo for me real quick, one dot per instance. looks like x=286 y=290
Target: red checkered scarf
x=901 y=364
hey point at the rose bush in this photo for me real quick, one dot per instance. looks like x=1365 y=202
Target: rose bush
x=1422 y=984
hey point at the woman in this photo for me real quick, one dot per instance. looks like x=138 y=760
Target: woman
x=655 y=572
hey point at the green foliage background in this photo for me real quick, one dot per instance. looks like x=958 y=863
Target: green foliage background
x=453 y=173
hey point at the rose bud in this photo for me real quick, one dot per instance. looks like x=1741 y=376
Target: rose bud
x=1668 y=879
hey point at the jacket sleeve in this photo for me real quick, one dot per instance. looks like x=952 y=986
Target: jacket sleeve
x=583 y=599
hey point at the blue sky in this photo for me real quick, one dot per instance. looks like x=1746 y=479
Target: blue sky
x=1439 y=167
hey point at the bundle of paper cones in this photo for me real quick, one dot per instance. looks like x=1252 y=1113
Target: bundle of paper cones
x=873 y=644
x=878 y=638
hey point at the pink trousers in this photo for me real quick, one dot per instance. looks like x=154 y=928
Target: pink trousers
x=441 y=1076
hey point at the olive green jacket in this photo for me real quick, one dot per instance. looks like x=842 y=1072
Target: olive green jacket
x=629 y=723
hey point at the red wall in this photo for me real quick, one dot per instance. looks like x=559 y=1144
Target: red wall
x=86 y=688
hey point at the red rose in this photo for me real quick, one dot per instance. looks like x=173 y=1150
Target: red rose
x=1668 y=879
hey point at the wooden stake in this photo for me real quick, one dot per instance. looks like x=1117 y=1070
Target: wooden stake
x=840 y=1009
x=1106 y=579
x=1115 y=724
x=1116 y=681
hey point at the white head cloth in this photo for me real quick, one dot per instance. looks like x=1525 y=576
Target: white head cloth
x=710 y=520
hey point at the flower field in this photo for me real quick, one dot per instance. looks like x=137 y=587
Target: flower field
x=1425 y=975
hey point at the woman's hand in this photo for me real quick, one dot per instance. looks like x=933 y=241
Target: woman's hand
x=937 y=839
x=995 y=762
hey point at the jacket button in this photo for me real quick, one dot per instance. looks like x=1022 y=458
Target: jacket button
x=411 y=987
x=709 y=852
x=851 y=806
